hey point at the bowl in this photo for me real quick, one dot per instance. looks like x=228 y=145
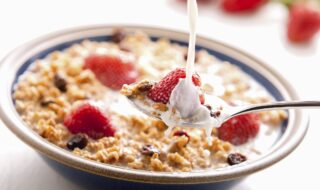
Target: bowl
x=13 y=65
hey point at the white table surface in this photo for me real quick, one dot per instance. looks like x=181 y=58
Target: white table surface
x=261 y=34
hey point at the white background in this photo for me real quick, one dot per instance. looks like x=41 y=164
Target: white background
x=260 y=34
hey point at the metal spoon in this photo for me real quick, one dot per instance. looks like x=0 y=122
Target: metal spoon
x=229 y=112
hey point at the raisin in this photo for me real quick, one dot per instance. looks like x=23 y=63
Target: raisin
x=60 y=83
x=236 y=158
x=149 y=150
x=118 y=35
x=77 y=141
x=180 y=133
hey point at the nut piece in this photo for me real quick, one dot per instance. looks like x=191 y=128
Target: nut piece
x=149 y=150
x=236 y=158
x=77 y=141
x=60 y=83
x=144 y=86
x=135 y=90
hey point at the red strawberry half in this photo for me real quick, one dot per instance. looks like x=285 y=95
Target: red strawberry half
x=303 y=24
x=90 y=120
x=240 y=129
x=162 y=90
x=111 y=70
x=241 y=5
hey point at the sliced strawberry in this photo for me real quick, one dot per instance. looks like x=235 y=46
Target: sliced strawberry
x=240 y=129
x=90 y=120
x=161 y=91
x=241 y=5
x=303 y=24
x=112 y=71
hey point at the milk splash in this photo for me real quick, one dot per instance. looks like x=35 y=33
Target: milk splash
x=184 y=104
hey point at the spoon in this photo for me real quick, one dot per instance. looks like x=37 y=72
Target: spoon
x=229 y=112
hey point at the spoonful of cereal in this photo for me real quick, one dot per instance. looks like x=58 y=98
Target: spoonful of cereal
x=154 y=99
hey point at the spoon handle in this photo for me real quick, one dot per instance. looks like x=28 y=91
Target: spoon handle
x=275 y=105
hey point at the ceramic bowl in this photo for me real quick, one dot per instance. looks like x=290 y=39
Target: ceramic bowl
x=292 y=130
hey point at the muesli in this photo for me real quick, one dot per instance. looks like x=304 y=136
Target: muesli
x=72 y=99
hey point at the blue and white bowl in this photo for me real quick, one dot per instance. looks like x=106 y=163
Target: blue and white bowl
x=12 y=66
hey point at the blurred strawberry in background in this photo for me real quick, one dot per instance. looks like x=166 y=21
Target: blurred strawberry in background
x=235 y=6
x=303 y=19
x=303 y=22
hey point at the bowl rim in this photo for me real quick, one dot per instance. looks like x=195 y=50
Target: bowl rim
x=297 y=125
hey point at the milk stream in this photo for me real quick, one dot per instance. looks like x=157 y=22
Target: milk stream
x=184 y=104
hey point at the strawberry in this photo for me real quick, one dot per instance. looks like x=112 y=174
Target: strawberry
x=161 y=91
x=303 y=23
x=112 y=71
x=241 y=5
x=90 y=120
x=240 y=129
